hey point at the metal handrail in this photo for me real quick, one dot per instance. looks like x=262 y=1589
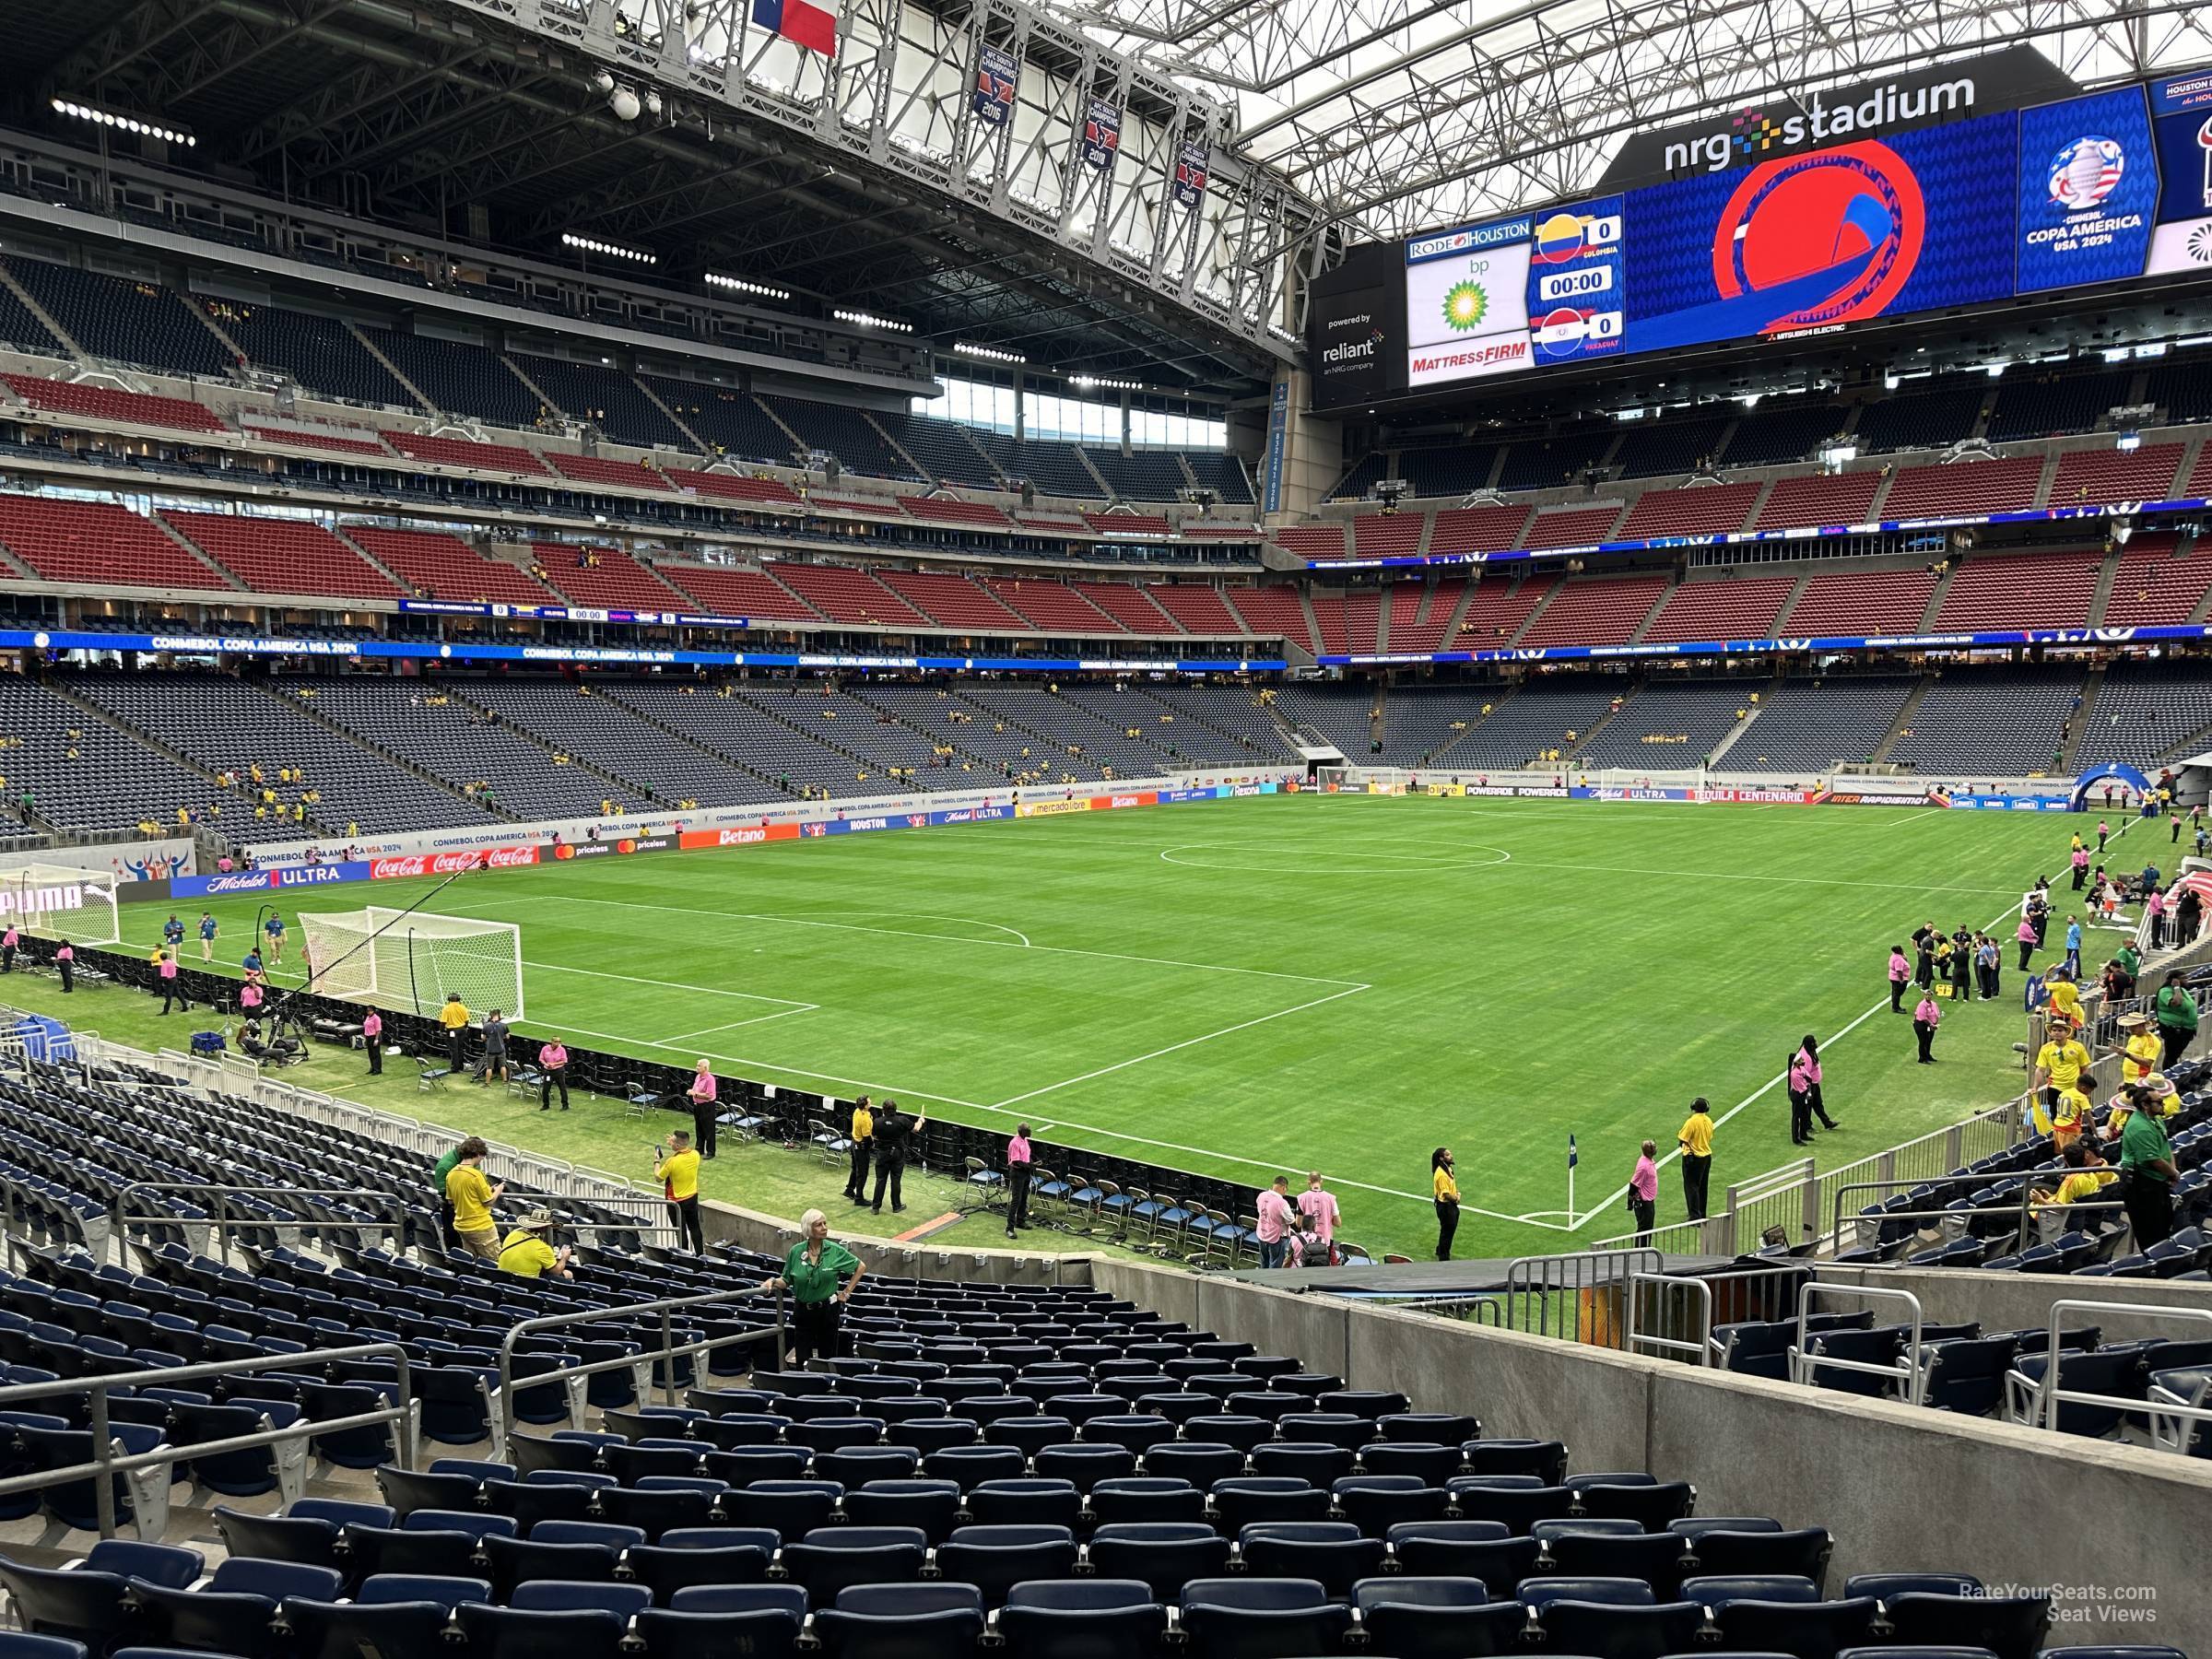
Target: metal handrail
x=669 y=1350
x=1804 y=1362
x=2021 y=1232
x=105 y=1465
x=2047 y=1385
x=388 y=1203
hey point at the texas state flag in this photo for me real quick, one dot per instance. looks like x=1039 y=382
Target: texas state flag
x=801 y=22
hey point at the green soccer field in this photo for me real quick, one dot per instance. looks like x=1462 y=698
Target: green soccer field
x=1334 y=981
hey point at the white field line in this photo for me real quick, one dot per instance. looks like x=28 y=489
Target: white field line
x=1176 y=1047
x=732 y=1024
x=901 y=933
x=1924 y=812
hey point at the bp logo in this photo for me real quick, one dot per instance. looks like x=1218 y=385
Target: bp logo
x=1465 y=305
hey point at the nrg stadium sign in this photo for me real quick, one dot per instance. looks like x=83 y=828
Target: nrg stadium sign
x=1781 y=126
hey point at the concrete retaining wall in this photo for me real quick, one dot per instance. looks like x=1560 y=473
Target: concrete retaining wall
x=1900 y=1486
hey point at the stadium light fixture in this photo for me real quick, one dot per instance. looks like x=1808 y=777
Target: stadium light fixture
x=741 y=286
x=860 y=319
x=586 y=244
x=988 y=353
x=1097 y=383
x=123 y=123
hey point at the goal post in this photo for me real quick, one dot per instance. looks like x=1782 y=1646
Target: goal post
x=61 y=902
x=413 y=961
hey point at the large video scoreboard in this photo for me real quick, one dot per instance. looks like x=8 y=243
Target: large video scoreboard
x=1783 y=226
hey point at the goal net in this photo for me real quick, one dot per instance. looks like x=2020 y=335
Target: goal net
x=61 y=902
x=414 y=962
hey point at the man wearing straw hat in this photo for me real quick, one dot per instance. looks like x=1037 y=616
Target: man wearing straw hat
x=2140 y=1049
x=525 y=1254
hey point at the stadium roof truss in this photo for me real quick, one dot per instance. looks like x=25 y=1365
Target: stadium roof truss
x=1398 y=114
x=871 y=180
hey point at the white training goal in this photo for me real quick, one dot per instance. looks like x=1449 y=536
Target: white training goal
x=415 y=960
x=61 y=902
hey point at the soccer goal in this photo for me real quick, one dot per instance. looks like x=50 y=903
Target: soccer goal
x=61 y=902
x=415 y=960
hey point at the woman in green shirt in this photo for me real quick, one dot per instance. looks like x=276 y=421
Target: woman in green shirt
x=810 y=1274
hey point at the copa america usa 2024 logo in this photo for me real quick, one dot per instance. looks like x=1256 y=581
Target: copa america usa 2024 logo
x=2086 y=172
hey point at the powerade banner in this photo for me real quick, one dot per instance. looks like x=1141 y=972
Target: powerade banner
x=2088 y=190
x=2181 y=120
x=994 y=73
x=1101 y=135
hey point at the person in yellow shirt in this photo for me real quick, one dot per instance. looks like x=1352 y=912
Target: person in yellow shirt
x=454 y=1017
x=2140 y=1049
x=2069 y=1115
x=1696 y=1143
x=675 y=1167
x=864 y=1148
x=526 y=1252
x=2066 y=995
x=2086 y=1175
x=1445 y=1183
x=2059 y=1065
x=472 y=1197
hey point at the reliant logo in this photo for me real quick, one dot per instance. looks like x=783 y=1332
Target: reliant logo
x=1753 y=135
x=1349 y=351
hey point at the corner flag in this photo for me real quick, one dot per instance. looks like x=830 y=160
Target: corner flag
x=1572 y=1157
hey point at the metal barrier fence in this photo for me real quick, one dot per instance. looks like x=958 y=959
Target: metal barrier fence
x=1581 y=1295
x=2028 y=1398
x=1804 y=1362
x=667 y=1355
x=151 y=1496
x=1684 y=1304
x=1867 y=1228
x=1797 y=1197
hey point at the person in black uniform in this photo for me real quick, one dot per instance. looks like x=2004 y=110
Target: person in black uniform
x=895 y=1135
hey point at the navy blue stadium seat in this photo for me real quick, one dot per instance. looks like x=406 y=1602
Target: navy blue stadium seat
x=1262 y=1618
x=1723 y=1551
x=89 y=1603
x=1604 y=1632
x=995 y=1558
x=1162 y=1554
x=1083 y=1619
x=1409 y=1618
x=233 y=1612
x=1479 y=1549
x=829 y=1558
x=1811 y=1629
x=2012 y=1626
x=1333 y=1553
x=1030 y=1501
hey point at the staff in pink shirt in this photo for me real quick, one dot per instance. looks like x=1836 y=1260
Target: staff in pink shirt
x=2081 y=867
x=1275 y=1219
x=1321 y=1216
x=372 y=1042
x=1925 y=1019
x=704 y=1112
x=9 y=941
x=65 y=963
x=170 y=990
x=1901 y=969
x=2026 y=938
x=553 y=1073
x=1017 y=1179
x=1644 y=1192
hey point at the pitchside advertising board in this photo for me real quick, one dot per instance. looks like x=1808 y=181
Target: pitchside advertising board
x=1901 y=198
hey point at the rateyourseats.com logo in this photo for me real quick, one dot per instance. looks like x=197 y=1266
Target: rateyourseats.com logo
x=2095 y=1606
